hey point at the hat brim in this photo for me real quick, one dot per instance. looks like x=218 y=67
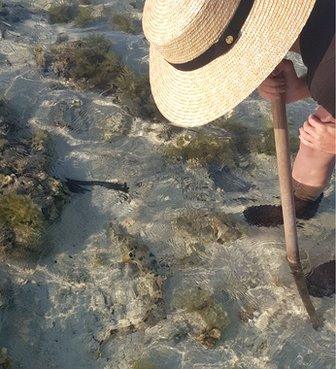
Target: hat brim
x=194 y=98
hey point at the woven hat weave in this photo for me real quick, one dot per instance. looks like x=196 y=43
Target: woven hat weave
x=206 y=56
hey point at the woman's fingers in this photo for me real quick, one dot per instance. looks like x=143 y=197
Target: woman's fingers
x=274 y=82
x=272 y=87
x=306 y=137
x=311 y=130
x=315 y=122
x=273 y=90
x=306 y=143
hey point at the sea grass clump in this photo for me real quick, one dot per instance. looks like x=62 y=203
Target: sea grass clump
x=118 y=124
x=5 y=361
x=21 y=222
x=259 y=140
x=91 y=64
x=124 y=23
x=144 y=364
x=265 y=144
x=30 y=198
x=133 y=92
x=63 y=13
x=203 y=313
x=203 y=149
x=42 y=56
x=207 y=226
x=85 y=16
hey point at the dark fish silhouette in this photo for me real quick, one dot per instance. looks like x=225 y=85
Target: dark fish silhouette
x=78 y=186
x=321 y=280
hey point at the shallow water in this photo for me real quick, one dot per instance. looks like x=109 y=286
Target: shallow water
x=169 y=276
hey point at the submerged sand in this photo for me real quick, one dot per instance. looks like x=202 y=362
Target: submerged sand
x=81 y=305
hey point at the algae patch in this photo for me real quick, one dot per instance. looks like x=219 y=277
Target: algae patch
x=5 y=361
x=92 y=64
x=21 y=221
x=206 y=317
x=30 y=196
x=207 y=226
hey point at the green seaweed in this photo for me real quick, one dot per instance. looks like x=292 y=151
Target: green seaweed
x=41 y=56
x=123 y=23
x=260 y=140
x=208 y=227
x=133 y=91
x=23 y=219
x=91 y=64
x=203 y=302
x=29 y=197
x=204 y=149
x=3 y=143
x=266 y=144
x=63 y=13
x=41 y=144
x=85 y=16
x=7 y=113
x=5 y=361
x=144 y=364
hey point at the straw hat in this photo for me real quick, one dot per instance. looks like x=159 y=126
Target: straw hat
x=206 y=56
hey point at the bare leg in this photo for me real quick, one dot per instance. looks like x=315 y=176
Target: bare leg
x=312 y=167
x=311 y=174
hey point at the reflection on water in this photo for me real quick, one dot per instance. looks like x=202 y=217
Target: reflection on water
x=168 y=275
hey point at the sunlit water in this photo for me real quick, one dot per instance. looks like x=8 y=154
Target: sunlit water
x=81 y=305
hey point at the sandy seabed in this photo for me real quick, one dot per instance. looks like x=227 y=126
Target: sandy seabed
x=81 y=305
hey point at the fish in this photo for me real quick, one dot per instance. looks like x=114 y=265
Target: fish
x=79 y=186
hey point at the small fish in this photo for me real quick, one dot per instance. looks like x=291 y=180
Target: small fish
x=78 y=186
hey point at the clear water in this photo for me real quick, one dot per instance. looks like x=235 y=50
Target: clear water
x=202 y=292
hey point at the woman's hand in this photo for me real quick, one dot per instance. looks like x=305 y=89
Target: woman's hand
x=284 y=80
x=319 y=133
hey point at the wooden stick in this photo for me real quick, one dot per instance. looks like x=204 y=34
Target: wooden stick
x=288 y=206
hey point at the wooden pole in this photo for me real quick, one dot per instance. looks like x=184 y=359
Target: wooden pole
x=288 y=207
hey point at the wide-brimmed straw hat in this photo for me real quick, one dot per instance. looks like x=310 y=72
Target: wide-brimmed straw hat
x=206 y=56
